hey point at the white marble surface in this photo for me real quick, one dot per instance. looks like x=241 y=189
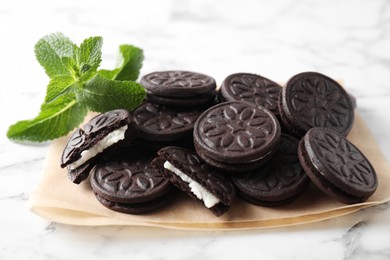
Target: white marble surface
x=348 y=40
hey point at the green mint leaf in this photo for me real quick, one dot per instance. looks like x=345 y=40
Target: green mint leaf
x=76 y=86
x=56 y=119
x=132 y=58
x=89 y=56
x=130 y=64
x=71 y=65
x=101 y=94
x=108 y=74
x=58 y=85
x=50 y=50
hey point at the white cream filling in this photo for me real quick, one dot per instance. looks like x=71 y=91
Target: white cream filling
x=110 y=139
x=200 y=192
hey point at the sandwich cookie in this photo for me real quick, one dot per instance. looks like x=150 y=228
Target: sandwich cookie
x=179 y=88
x=311 y=99
x=251 y=88
x=336 y=166
x=236 y=136
x=104 y=132
x=189 y=173
x=126 y=182
x=279 y=181
x=161 y=123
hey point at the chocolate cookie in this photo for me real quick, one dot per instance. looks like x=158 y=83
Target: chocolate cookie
x=236 y=135
x=353 y=101
x=160 y=123
x=126 y=182
x=189 y=173
x=179 y=88
x=311 y=99
x=252 y=88
x=178 y=83
x=157 y=145
x=336 y=166
x=187 y=101
x=279 y=181
x=103 y=132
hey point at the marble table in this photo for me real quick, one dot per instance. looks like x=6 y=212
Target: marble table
x=347 y=40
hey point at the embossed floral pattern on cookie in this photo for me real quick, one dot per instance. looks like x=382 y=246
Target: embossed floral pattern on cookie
x=178 y=83
x=236 y=128
x=345 y=161
x=128 y=175
x=183 y=79
x=314 y=100
x=281 y=172
x=277 y=182
x=159 y=122
x=126 y=179
x=252 y=88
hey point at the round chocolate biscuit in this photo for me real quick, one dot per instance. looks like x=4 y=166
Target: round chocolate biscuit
x=177 y=83
x=189 y=163
x=252 y=88
x=160 y=123
x=93 y=131
x=353 y=100
x=220 y=97
x=127 y=180
x=236 y=167
x=86 y=137
x=139 y=208
x=236 y=132
x=187 y=101
x=277 y=182
x=312 y=99
x=336 y=166
x=157 y=145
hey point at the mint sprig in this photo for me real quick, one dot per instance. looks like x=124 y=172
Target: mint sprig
x=76 y=86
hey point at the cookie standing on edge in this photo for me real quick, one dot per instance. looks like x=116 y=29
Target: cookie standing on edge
x=279 y=181
x=311 y=99
x=236 y=136
x=189 y=173
x=251 y=88
x=103 y=132
x=179 y=88
x=126 y=182
x=336 y=166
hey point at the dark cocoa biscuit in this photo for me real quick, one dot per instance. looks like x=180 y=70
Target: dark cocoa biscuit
x=125 y=181
x=138 y=208
x=236 y=132
x=160 y=123
x=252 y=88
x=311 y=99
x=177 y=83
x=235 y=167
x=336 y=166
x=220 y=98
x=81 y=173
x=279 y=181
x=188 y=172
x=353 y=101
x=157 y=145
x=104 y=132
x=206 y=99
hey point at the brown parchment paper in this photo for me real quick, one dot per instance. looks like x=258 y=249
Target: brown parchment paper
x=59 y=200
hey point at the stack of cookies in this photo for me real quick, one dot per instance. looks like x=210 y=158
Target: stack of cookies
x=265 y=142
x=175 y=99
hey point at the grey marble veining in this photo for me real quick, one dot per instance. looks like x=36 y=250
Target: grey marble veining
x=348 y=40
